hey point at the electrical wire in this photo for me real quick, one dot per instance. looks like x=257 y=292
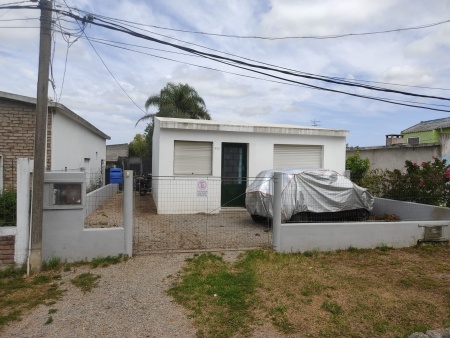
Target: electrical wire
x=341 y=80
x=321 y=37
x=318 y=77
x=235 y=63
x=246 y=65
x=258 y=78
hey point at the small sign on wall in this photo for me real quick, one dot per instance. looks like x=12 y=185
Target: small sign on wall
x=202 y=188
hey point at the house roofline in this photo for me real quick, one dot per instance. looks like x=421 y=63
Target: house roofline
x=63 y=109
x=395 y=146
x=210 y=125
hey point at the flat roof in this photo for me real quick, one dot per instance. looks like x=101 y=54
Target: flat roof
x=245 y=127
x=63 y=109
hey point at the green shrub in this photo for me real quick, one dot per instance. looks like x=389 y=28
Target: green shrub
x=8 y=208
x=358 y=167
x=427 y=183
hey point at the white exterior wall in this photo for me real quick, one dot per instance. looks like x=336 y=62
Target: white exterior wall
x=72 y=143
x=260 y=153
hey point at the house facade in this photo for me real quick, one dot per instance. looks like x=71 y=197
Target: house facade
x=72 y=142
x=214 y=161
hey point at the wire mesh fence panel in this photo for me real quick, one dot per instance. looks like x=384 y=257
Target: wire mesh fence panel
x=8 y=195
x=196 y=214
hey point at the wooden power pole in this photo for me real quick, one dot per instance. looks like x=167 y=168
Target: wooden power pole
x=40 y=137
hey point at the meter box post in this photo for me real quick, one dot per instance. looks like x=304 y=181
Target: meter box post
x=115 y=175
x=63 y=190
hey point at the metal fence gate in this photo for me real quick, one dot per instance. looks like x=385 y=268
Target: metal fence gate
x=188 y=214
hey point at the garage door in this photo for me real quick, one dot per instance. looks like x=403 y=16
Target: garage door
x=297 y=156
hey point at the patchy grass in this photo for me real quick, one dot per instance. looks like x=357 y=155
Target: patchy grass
x=219 y=296
x=86 y=281
x=383 y=292
x=19 y=293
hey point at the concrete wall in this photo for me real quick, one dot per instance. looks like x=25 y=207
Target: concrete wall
x=64 y=235
x=260 y=155
x=391 y=158
x=98 y=197
x=300 y=237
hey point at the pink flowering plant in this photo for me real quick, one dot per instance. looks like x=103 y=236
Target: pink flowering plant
x=425 y=183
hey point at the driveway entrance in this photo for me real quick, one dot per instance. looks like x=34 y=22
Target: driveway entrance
x=229 y=229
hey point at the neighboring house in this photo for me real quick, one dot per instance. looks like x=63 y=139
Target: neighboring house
x=432 y=131
x=117 y=157
x=116 y=151
x=198 y=153
x=418 y=143
x=72 y=142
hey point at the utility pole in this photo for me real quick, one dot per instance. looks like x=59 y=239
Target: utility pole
x=40 y=137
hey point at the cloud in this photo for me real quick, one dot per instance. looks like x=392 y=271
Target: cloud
x=408 y=74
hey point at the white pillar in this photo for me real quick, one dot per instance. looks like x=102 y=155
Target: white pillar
x=24 y=168
x=276 y=221
x=128 y=209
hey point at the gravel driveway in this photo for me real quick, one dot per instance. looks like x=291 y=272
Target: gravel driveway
x=130 y=301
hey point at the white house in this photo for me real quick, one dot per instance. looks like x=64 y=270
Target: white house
x=211 y=162
x=72 y=142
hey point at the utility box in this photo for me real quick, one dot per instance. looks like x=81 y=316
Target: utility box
x=64 y=190
x=115 y=175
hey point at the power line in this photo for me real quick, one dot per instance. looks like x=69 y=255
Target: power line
x=106 y=42
x=235 y=63
x=245 y=65
x=321 y=37
x=353 y=82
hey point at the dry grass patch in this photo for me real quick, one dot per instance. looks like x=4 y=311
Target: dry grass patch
x=351 y=293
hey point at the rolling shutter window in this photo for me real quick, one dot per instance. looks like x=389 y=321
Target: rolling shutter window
x=192 y=158
x=297 y=156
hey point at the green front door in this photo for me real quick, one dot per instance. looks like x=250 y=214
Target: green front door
x=234 y=174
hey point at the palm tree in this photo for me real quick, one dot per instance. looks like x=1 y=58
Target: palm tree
x=177 y=100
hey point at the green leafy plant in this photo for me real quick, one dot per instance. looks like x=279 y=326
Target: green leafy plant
x=8 y=202
x=425 y=183
x=358 y=166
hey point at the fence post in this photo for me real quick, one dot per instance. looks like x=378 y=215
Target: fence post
x=276 y=221
x=128 y=210
x=24 y=168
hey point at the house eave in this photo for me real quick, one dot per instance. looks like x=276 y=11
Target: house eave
x=60 y=107
x=216 y=126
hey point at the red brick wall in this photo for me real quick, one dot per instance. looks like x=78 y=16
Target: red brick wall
x=17 y=126
x=7 y=249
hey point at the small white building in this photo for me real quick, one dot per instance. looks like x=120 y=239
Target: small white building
x=211 y=163
x=72 y=142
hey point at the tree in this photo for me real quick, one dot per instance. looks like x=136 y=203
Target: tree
x=138 y=147
x=174 y=100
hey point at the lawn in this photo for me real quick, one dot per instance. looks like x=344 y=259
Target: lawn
x=351 y=293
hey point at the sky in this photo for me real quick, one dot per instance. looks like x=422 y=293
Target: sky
x=86 y=74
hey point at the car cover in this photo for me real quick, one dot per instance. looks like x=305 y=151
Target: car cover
x=306 y=190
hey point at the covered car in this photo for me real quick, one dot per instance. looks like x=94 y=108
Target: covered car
x=308 y=195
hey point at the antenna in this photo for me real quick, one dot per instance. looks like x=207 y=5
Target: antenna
x=315 y=123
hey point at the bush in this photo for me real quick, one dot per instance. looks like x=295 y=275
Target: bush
x=8 y=208
x=427 y=183
x=358 y=167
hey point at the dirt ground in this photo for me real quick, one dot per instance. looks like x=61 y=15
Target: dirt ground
x=228 y=229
